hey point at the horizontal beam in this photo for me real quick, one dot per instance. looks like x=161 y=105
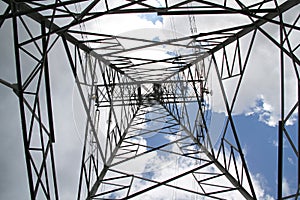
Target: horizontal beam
x=149 y=82
x=214 y=12
x=131 y=104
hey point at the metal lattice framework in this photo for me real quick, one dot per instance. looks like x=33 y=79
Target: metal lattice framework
x=123 y=94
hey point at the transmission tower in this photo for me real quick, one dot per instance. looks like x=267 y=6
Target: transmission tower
x=147 y=115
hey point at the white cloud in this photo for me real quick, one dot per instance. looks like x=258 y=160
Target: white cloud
x=116 y=25
x=291 y=161
x=275 y=143
x=264 y=111
x=285 y=187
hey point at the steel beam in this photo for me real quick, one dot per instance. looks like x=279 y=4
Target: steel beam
x=117 y=91
x=21 y=105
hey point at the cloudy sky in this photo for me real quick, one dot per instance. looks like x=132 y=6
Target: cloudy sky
x=257 y=110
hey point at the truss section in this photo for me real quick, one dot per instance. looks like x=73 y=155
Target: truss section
x=151 y=158
x=148 y=94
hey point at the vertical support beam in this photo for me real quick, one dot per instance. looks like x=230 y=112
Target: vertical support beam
x=47 y=82
x=280 y=155
x=140 y=98
x=298 y=135
x=5 y=13
x=49 y=106
x=21 y=100
x=281 y=122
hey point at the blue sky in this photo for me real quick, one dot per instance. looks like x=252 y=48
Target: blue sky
x=259 y=141
x=152 y=17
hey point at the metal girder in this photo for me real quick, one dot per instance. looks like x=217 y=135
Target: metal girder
x=41 y=172
x=187 y=138
x=115 y=81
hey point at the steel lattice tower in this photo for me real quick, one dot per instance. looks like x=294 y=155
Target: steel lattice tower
x=127 y=100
